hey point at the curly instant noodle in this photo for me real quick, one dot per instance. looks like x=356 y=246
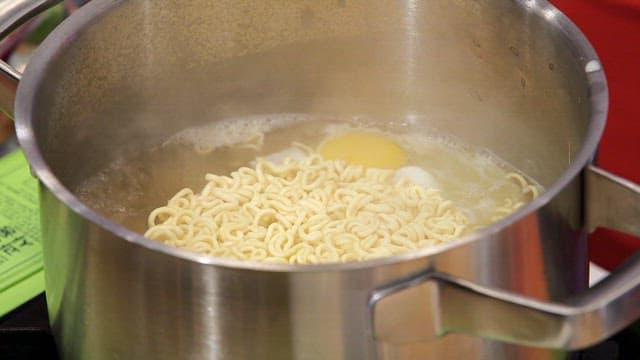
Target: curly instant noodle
x=307 y=211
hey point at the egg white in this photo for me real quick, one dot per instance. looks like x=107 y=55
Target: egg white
x=418 y=176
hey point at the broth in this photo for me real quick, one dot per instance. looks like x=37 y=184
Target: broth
x=127 y=190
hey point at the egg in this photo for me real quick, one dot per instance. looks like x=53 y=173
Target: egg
x=278 y=158
x=292 y=152
x=363 y=148
x=418 y=176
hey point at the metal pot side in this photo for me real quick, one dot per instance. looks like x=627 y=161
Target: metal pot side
x=515 y=77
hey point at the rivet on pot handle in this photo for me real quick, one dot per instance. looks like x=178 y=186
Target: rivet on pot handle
x=454 y=305
x=14 y=13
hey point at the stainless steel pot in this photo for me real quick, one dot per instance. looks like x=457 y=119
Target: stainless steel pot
x=516 y=77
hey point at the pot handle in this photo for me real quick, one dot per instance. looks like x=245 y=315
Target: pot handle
x=452 y=305
x=14 y=13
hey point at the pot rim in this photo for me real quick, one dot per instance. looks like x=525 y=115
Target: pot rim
x=55 y=43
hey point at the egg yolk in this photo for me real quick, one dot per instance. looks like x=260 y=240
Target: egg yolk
x=361 y=148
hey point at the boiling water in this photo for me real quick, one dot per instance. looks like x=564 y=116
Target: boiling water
x=127 y=190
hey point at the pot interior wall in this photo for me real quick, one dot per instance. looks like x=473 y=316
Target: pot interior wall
x=490 y=72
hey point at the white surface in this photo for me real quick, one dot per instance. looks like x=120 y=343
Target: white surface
x=596 y=273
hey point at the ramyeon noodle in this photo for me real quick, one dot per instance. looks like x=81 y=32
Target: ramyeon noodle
x=312 y=211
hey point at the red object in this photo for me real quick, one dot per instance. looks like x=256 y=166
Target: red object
x=613 y=28
x=608 y=248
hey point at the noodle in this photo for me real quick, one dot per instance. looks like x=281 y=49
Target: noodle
x=509 y=205
x=306 y=211
x=312 y=211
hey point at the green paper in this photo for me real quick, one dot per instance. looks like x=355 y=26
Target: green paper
x=48 y=21
x=21 y=274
